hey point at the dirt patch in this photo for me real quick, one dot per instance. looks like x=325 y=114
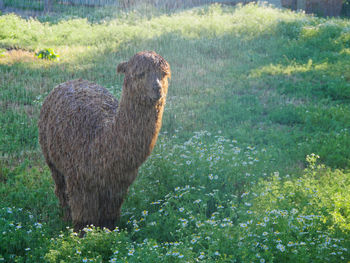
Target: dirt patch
x=17 y=55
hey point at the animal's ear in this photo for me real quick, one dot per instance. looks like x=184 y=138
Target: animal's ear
x=122 y=67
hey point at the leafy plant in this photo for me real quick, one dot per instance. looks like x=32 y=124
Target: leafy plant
x=47 y=53
x=298 y=219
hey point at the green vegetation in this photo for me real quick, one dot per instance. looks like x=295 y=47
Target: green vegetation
x=47 y=53
x=256 y=95
x=30 y=5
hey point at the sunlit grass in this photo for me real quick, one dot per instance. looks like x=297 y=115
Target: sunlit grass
x=208 y=22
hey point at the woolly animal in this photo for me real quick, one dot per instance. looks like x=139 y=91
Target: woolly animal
x=94 y=145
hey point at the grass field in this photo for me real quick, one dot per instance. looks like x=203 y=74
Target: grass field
x=252 y=163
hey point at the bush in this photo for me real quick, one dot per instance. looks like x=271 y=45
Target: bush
x=298 y=219
x=47 y=53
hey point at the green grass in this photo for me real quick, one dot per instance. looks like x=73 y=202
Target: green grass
x=254 y=91
x=30 y=5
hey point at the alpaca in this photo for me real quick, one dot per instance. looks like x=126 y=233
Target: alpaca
x=94 y=145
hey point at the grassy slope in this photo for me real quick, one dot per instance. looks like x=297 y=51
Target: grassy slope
x=271 y=79
x=233 y=71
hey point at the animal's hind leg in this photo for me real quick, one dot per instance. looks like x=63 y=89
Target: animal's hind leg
x=110 y=206
x=111 y=201
x=61 y=191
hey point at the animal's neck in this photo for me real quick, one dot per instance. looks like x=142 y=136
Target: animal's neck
x=135 y=130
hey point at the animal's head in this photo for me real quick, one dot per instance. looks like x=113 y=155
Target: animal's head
x=146 y=75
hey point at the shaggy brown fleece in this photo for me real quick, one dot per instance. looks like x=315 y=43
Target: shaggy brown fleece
x=95 y=145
